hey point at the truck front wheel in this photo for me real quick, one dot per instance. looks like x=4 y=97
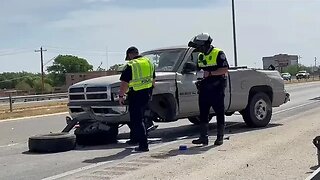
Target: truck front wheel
x=258 y=111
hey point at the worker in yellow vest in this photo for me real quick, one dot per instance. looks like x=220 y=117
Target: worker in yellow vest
x=211 y=88
x=137 y=81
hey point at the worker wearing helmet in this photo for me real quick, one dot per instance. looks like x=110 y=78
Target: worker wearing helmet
x=211 y=88
x=137 y=80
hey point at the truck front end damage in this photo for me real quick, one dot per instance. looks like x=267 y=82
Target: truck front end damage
x=102 y=101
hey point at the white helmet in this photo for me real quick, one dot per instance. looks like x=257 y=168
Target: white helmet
x=200 y=40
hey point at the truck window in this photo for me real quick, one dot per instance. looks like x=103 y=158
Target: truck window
x=194 y=57
x=164 y=60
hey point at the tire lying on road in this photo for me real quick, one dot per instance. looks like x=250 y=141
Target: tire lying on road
x=53 y=142
x=97 y=136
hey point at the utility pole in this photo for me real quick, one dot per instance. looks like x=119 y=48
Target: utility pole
x=107 y=59
x=299 y=57
x=315 y=66
x=42 y=72
x=234 y=36
x=299 y=61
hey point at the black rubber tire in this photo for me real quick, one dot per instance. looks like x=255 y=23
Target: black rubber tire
x=98 y=137
x=250 y=115
x=53 y=142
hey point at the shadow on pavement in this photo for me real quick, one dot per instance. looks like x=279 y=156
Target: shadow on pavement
x=173 y=134
x=314 y=167
x=190 y=151
x=120 y=155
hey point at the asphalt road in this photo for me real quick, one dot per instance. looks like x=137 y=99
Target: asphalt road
x=17 y=163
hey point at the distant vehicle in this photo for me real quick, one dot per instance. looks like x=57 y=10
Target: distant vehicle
x=302 y=74
x=286 y=76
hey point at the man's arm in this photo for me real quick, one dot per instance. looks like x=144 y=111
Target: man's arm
x=220 y=71
x=125 y=78
x=123 y=88
x=222 y=64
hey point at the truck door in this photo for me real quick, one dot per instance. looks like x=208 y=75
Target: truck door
x=187 y=90
x=227 y=97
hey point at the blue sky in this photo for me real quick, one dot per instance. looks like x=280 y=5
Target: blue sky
x=90 y=28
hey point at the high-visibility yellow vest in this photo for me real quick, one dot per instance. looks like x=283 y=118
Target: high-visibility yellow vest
x=208 y=60
x=142 y=73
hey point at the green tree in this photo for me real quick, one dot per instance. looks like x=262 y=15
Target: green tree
x=9 y=80
x=24 y=86
x=293 y=69
x=66 y=64
x=37 y=86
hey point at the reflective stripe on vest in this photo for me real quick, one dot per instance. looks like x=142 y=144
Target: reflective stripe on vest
x=210 y=59
x=142 y=73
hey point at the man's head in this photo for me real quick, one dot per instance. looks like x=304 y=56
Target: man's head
x=131 y=53
x=201 y=42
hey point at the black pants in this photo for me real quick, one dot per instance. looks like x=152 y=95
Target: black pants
x=138 y=102
x=211 y=94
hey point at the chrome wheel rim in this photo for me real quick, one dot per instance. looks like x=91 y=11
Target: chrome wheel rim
x=260 y=109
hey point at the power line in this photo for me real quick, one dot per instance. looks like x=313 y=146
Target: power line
x=14 y=53
x=50 y=60
x=81 y=50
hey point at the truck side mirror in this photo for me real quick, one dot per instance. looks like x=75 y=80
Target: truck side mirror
x=189 y=67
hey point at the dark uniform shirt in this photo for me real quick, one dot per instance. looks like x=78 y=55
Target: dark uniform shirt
x=126 y=76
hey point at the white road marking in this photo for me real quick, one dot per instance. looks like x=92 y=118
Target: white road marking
x=76 y=170
x=295 y=107
x=103 y=163
x=313 y=175
x=30 y=117
x=8 y=145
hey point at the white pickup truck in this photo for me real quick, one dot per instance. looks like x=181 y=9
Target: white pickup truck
x=302 y=75
x=94 y=103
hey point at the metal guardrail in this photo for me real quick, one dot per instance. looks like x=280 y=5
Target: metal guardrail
x=12 y=99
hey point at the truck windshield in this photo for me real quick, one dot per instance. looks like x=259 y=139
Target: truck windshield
x=165 y=60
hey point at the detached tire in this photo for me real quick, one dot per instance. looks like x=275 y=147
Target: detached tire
x=53 y=142
x=98 y=137
x=258 y=111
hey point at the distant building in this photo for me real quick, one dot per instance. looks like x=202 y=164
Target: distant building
x=280 y=61
x=72 y=78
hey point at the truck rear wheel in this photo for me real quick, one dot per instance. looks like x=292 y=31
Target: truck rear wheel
x=258 y=111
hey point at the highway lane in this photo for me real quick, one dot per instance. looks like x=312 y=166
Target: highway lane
x=16 y=162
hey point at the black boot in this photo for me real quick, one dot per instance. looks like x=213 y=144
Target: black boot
x=219 y=140
x=203 y=139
